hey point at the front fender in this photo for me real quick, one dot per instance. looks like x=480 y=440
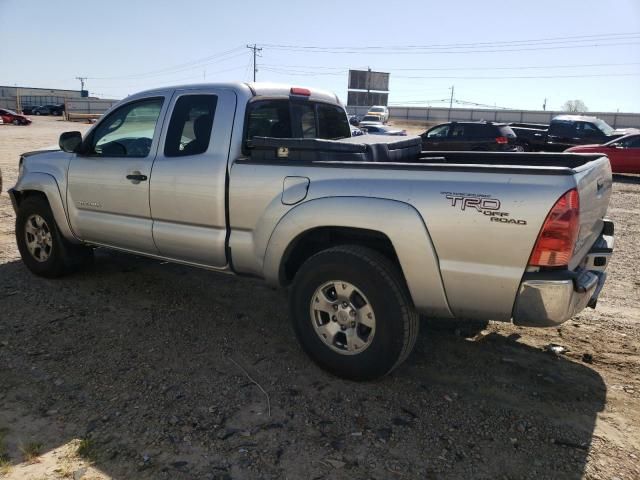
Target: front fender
x=400 y=222
x=46 y=184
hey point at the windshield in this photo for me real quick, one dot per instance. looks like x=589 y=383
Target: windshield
x=10 y=111
x=603 y=126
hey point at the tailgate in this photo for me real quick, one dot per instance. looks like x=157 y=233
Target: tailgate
x=594 y=185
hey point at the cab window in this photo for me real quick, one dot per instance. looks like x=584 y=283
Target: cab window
x=190 y=126
x=585 y=129
x=127 y=132
x=458 y=131
x=440 y=131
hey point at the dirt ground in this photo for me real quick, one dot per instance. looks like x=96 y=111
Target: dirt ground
x=141 y=369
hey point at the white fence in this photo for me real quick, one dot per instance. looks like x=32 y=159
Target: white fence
x=617 y=120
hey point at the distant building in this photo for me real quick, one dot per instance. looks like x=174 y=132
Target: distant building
x=16 y=97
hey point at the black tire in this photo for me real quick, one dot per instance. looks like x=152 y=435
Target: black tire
x=63 y=257
x=38 y=112
x=16 y=122
x=396 y=322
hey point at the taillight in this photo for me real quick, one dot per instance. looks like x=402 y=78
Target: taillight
x=559 y=233
x=300 y=91
x=502 y=140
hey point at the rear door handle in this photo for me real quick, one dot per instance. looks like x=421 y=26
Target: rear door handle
x=137 y=177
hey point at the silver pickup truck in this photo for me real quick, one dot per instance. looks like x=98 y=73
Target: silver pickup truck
x=260 y=180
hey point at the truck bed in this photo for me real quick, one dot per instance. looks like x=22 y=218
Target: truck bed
x=393 y=153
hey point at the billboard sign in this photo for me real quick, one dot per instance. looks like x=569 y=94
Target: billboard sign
x=368 y=80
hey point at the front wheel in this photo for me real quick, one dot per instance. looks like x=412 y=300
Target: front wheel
x=42 y=247
x=352 y=313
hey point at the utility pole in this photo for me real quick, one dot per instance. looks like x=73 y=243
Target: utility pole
x=255 y=49
x=369 y=85
x=82 y=80
x=544 y=105
x=451 y=101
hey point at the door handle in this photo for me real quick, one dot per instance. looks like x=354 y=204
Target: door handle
x=137 y=177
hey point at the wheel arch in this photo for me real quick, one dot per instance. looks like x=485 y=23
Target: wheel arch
x=393 y=228
x=45 y=185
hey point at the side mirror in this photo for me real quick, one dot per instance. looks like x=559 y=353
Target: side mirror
x=70 y=141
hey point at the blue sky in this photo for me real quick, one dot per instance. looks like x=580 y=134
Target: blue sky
x=588 y=50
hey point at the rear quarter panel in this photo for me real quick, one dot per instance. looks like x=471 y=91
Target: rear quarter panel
x=481 y=261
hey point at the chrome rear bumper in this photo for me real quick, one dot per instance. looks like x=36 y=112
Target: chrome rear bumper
x=547 y=299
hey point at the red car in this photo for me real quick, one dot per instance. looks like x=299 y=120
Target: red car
x=623 y=153
x=9 y=116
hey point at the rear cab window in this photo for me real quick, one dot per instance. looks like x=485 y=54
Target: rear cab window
x=283 y=118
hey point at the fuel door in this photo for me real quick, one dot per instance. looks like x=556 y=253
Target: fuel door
x=294 y=190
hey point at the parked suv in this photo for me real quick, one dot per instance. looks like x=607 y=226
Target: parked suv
x=478 y=136
x=49 y=110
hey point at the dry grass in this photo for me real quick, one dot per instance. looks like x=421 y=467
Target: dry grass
x=5 y=461
x=87 y=450
x=31 y=451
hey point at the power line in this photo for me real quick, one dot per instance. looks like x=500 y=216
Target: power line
x=452 y=77
x=198 y=63
x=607 y=37
x=442 y=52
x=402 y=69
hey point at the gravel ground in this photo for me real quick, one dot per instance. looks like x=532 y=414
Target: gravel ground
x=142 y=369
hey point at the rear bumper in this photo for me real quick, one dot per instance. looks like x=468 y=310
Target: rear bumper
x=547 y=299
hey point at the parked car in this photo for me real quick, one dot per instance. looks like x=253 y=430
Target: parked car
x=474 y=136
x=370 y=119
x=28 y=109
x=380 y=129
x=566 y=131
x=623 y=153
x=9 y=116
x=355 y=120
x=49 y=110
x=380 y=111
x=355 y=131
x=367 y=235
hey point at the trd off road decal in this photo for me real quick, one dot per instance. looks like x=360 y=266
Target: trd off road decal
x=483 y=204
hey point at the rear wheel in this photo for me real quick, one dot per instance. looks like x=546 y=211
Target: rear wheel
x=43 y=249
x=352 y=313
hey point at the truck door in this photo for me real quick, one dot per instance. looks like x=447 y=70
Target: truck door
x=188 y=181
x=108 y=183
x=626 y=157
